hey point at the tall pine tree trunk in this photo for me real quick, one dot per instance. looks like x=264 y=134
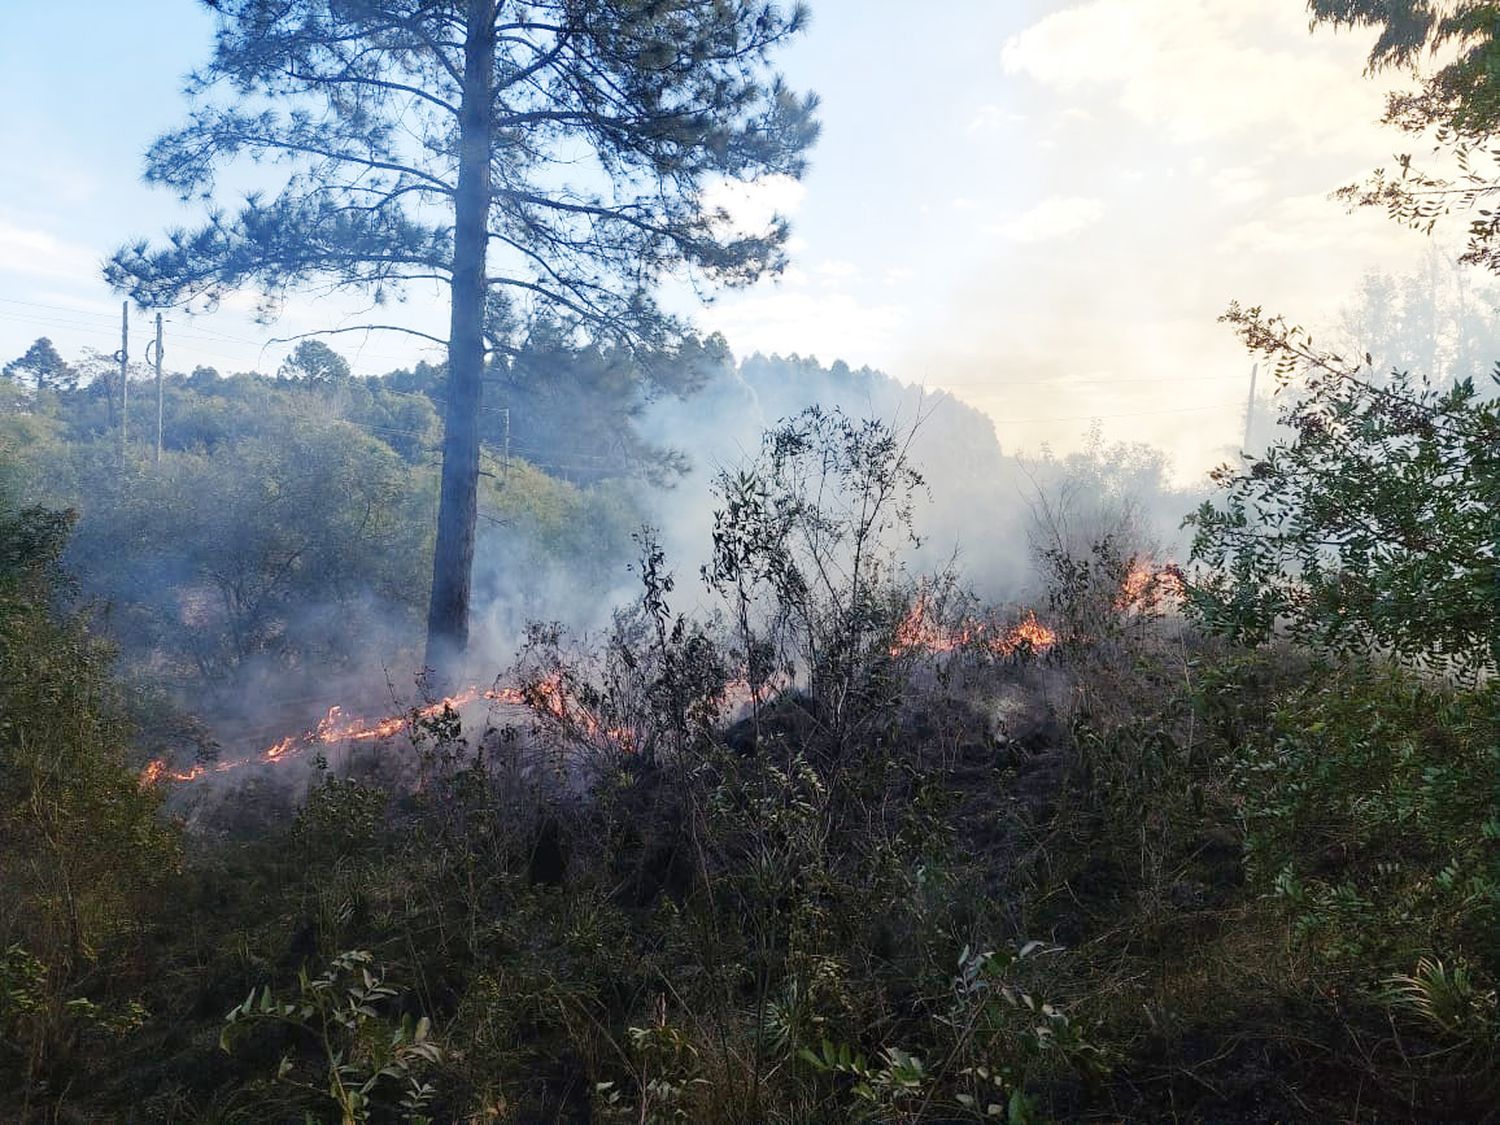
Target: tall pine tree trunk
x=453 y=558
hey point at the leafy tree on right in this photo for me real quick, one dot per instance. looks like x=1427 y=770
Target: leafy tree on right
x=1374 y=524
x=1457 y=101
x=1371 y=526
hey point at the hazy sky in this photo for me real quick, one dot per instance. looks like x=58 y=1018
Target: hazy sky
x=1040 y=205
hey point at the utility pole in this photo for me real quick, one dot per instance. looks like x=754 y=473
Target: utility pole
x=1250 y=409
x=156 y=457
x=124 y=358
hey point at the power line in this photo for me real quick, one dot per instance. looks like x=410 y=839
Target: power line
x=196 y=330
x=1065 y=383
x=60 y=308
x=190 y=329
x=1062 y=384
x=1110 y=417
x=52 y=322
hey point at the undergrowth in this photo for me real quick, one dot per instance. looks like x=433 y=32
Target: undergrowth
x=785 y=865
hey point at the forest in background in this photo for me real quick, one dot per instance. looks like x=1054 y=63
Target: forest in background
x=277 y=557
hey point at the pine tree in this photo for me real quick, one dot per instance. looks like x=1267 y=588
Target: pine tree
x=539 y=157
x=316 y=362
x=44 y=367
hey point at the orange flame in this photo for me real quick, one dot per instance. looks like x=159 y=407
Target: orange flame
x=1147 y=586
x=919 y=631
x=545 y=697
x=156 y=772
x=281 y=749
x=1029 y=633
x=550 y=698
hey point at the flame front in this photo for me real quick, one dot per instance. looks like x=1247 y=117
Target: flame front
x=157 y=772
x=1029 y=633
x=547 y=697
x=920 y=631
x=1148 y=585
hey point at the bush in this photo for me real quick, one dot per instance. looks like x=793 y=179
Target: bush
x=1371 y=527
x=81 y=848
x=1372 y=812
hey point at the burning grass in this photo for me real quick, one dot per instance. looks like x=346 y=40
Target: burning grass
x=1148 y=586
x=547 y=698
x=923 y=631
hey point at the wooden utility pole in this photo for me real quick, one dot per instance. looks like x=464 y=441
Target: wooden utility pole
x=156 y=457
x=124 y=358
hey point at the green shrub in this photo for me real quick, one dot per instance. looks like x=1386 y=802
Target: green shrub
x=367 y=1061
x=82 y=850
x=1371 y=804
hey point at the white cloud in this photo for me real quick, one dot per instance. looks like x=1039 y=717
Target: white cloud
x=831 y=325
x=751 y=206
x=992 y=119
x=36 y=253
x=1203 y=70
x=1051 y=219
x=831 y=269
x=1237 y=186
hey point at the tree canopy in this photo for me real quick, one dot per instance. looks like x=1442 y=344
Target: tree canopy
x=1458 y=100
x=1463 y=93
x=362 y=103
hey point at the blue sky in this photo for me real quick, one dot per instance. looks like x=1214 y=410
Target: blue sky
x=1040 y=205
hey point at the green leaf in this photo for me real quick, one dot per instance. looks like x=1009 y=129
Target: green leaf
x=807 y=1056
